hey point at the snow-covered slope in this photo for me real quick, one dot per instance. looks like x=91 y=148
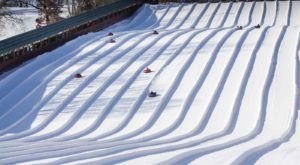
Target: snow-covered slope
x=25 y=22
x=225 y=96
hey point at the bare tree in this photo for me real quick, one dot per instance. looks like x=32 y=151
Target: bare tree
x=76 y=7
x=8 y=20
x=5 y=13
x=48 y=9
x=71 y=7
x=86 y=5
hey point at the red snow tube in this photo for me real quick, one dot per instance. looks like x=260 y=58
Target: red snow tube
x=77 y=75
x=147 y=70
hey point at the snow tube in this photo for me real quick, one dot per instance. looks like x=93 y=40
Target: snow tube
x=147 y=70
x=257 y=26
x=77 y=75
x=152 y=94
x=239 y=27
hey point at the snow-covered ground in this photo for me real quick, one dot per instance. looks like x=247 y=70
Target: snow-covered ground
x=25 y=21
x=225 y=96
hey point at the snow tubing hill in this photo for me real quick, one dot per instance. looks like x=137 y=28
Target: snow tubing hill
x=223 y=95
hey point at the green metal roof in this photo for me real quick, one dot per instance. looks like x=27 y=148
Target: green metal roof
x=29 y=37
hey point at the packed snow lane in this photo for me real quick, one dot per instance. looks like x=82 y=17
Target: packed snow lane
x=194 y=16
x=257 y=13
x=222 y=12
x=207 y=16
x=295 y=22
x=180 y=18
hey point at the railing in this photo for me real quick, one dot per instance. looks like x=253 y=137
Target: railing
x=15 y=50
x=204 y=1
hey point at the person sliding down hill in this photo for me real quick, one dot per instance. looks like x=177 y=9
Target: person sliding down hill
x=257 y=26
x=78 y=75
x=239 y=27
x=152 y=94
x=39 y=23
x=147 y=70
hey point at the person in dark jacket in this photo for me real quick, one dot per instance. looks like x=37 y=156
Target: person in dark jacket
x=152 y=94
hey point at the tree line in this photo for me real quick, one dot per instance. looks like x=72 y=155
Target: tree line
x=50 y=10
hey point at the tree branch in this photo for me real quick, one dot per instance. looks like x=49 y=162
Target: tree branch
x=27 y=3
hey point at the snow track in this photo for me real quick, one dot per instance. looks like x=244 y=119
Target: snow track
x=225 y=96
